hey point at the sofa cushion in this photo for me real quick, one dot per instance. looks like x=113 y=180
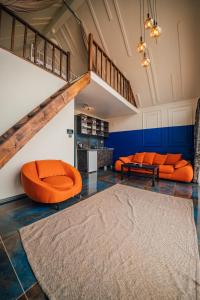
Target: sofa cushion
x=131 y=157
x=168 y=169
x=159 y=159
x=181 y=163
x=59 y=182
x=138 y=157
x=149 y=157
x=125 y=159
x=47 y=168
x=172 y=159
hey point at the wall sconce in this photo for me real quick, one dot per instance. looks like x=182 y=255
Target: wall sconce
x=70 y=132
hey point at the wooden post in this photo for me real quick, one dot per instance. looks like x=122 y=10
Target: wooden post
x=117 y=80
x=96 y=60
x=106 y=76
x=68 y=66
x=13 y=35
x=90 y=52
x=35 y=48
x=53 y=58
x=101 y=64
x=110 y=73
x=45 y=53
x=0 y=19
x=114 y=71
x=25 y=39
x=61 y=63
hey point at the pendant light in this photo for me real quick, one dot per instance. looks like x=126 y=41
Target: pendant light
x=141 y=45
x=155 y=30
x=145 y=61
x=148 y=24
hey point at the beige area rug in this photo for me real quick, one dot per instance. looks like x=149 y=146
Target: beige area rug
x=122 y=243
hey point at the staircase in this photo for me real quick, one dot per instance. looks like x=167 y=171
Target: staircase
x=45 y=54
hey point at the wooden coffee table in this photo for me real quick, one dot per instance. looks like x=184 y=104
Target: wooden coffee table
x=152 y=168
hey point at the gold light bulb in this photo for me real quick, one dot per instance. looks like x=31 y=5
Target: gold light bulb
x=141 y=46
x=148 y=22
x=155 y=31
x=145 y=61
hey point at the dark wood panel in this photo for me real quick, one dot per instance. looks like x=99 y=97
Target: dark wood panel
x=104 y=157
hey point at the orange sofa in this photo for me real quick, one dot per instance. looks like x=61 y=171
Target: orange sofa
x=50 y=181
x=171 y=166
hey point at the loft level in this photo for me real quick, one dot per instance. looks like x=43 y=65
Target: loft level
x=19 y=37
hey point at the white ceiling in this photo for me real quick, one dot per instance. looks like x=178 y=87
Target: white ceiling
x=105 y=101
x=174 y=74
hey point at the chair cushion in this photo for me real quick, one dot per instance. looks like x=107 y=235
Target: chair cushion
x=47 y=168
x=59 y=182
x=125 y=159
x=172 y=159
x=138 y=157
x=168 y=169
x=181 y=163
x=149 y=157
x=159 y=159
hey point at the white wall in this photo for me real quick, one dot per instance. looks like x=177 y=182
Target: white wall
x=166 y=115
x=27 y=87
x=23 y=86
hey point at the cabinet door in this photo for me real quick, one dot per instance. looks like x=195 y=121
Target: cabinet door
x=104 y=158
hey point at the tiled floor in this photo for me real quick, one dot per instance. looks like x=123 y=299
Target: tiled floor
x=17 y=280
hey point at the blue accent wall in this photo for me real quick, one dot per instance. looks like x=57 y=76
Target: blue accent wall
x=178 y=139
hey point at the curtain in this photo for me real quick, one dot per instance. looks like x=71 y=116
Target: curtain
x=27 y=5
x=197 y=144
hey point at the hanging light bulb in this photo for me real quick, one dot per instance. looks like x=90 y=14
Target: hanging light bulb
x=145 y=61
x=148 y=23
x=155 y=30
x=141 y=46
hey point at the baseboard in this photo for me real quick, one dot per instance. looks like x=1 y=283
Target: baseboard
x=12 y=198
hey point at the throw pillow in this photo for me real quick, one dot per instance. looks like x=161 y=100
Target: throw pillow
x=48 y=168
x=172 y=159
x=159 y=159
x=181 y=163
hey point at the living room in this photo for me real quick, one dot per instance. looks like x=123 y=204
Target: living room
x=99 y=149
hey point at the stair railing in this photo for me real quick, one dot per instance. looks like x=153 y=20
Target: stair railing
x=103 y=66
x=54 y=59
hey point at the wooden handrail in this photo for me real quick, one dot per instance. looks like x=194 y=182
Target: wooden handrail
x=114 y=76
x=37 y=35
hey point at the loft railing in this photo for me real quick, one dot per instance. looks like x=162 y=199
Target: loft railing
x=17 y=36
x=103 y=66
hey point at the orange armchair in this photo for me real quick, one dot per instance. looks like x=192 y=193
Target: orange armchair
x=50 y=181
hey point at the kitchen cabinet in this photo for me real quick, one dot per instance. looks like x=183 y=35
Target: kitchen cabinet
x=90 y=126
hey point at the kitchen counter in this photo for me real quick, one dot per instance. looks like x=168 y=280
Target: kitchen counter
x=104 y=158
x=92 y=149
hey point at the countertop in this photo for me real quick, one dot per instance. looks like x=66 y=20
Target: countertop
x=97 y=149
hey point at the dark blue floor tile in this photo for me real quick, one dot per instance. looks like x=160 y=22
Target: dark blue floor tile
x=10 y=288
x=19 y=260
x=24 y=215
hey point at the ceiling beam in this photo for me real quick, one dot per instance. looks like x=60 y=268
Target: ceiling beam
x=62 y=16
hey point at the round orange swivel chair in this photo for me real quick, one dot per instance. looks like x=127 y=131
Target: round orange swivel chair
x=50 y=181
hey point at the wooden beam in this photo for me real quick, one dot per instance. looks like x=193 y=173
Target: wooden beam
x=90 y=52
x=18 y=135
